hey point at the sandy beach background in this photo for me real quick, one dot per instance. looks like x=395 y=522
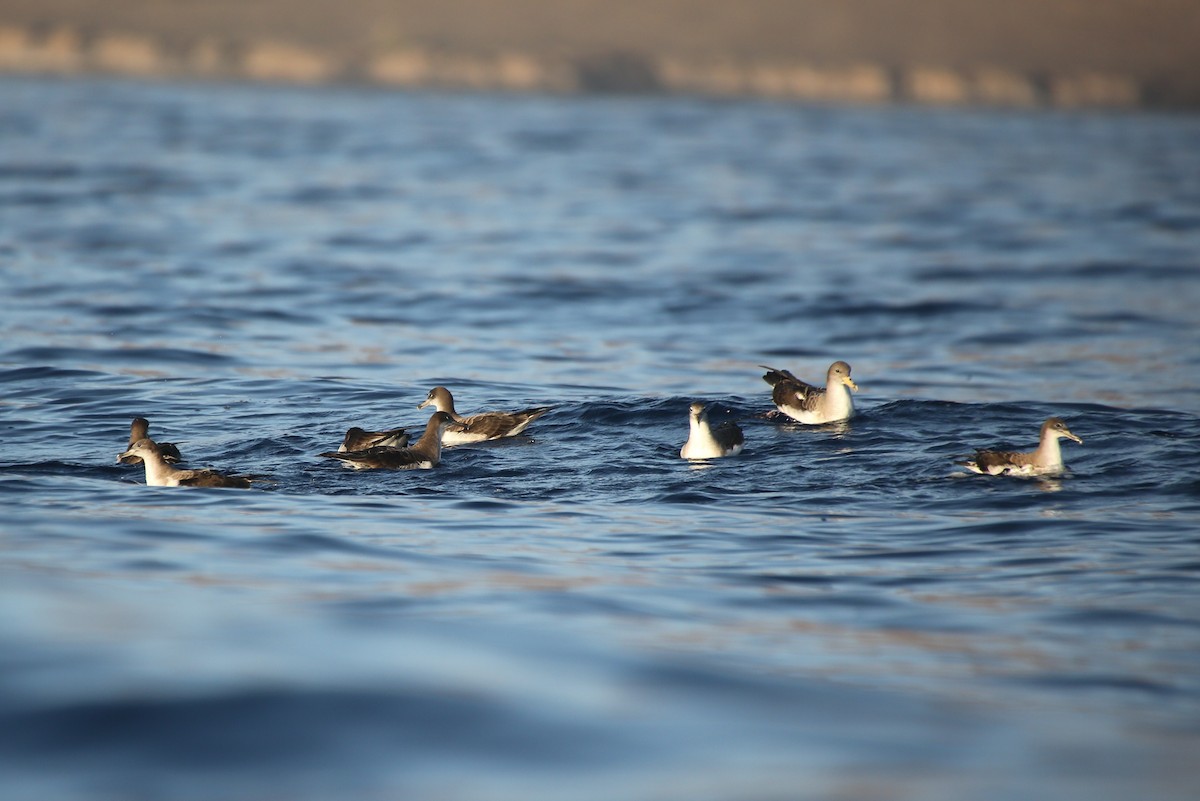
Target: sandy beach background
x=1024 y=53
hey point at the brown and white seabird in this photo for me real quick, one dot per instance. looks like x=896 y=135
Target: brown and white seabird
x=161 y=474
x=809 y=404
x=139 y=429
x=705 y=442
x=483 y=426
x=1046 y=460
x=424 y=454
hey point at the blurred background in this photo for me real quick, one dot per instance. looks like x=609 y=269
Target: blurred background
x=260 y=222
x=1022 y=53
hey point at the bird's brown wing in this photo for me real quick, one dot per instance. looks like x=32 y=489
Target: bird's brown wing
x=381 y=457
x=729 y=435
x=211 y=478
x=358 y=440
x=493 y=425
x=791 y=391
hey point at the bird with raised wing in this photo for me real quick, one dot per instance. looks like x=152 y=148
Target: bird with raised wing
x=813 y=405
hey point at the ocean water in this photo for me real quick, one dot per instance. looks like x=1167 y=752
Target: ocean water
x=838 y=613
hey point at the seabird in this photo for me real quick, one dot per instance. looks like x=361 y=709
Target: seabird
x=483 y=426
x=424 y=454
x=1046 y=460
x=138 y=430
x=161 y=474
x=705 y=442
x=358 y=440
x=813 y=405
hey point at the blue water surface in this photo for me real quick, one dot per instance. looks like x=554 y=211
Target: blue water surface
x=839 y=612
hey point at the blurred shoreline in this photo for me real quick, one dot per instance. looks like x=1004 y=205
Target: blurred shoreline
x=798 y=51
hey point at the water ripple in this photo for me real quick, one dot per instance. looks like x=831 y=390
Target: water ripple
x=578 y=612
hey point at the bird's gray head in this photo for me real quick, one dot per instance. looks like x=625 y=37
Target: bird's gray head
x=438 y=397
x=1056 y=427
x=839 y=372
x=142 y=448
